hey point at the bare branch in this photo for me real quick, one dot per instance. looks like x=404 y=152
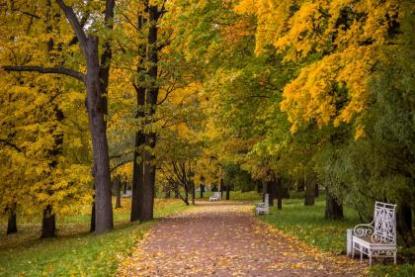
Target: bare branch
x=52 y=70
x=76 y=25
x=120 y=164
x=11 y=145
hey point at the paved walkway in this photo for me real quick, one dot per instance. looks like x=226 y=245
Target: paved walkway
x=225 y=239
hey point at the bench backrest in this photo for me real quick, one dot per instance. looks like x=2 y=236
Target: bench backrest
x=216 y=194
x=384 y=219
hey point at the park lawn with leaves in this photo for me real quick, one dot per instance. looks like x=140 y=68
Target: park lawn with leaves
x=237 y=195
x=308 y=224
x=76 y=252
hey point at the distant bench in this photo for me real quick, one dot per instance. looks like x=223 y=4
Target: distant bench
x=215 y=196
x=263 y=207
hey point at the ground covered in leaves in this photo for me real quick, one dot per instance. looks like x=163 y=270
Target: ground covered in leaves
x=225 y=239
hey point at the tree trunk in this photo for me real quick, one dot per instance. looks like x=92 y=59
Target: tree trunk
x=48 y=223
x=310 y=189
x=334 y=210
x=138 y=170
x=12 y=220
x=317 y=191
x=186 y=195
x=98 y=126
x=193 y=193
x=117 y=187
x=228 y=192
x=152 y=91
x=202 y=190
x=93 y=221
x=404 y=220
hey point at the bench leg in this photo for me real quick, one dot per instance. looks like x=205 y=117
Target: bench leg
x=352 y=250
x=361 y=253
x=370 y=257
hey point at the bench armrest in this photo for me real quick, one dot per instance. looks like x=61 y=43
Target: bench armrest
x=363 y=230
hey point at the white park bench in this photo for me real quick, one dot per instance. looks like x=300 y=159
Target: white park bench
x=215 y=196
x=263 y=207
x=378 y=238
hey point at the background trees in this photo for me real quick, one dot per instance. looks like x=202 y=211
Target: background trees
x=271 y=95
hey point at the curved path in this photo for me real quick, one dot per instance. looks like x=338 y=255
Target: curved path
x=225 y=239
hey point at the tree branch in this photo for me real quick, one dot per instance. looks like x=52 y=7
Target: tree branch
x=11 y=145
x=52 y=70
x=76 y=25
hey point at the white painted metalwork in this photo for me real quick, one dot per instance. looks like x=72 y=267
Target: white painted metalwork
x=215 y=196
x=263 y=208
x=378 y=238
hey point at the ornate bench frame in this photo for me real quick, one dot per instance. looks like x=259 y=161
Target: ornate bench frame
x=378 y=238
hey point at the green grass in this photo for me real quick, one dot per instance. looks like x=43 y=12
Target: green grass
x=307 y=223
x=76 y=252
x=236 y=195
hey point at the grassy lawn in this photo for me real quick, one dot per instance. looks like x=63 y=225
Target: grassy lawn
x=235 y=195
x=308 y=224
x=75 y=252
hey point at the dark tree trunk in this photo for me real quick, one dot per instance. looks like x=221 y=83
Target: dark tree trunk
x=228 y=192
x=176 y=191
x=310 y=190
x=404 y=220
x=186 y=195
x=193 y=193
x=138 y=170
x=221 y=188
x=202 y=190
x=272 y=191
x=12 y=220
x=279 y=191
x=117 y=188
x=149 y=176
x=48 y=223
x=93 y=221
x=168 y=193
x=98 y=126
x=265 y=190
x=317 y=191
x=334 y=210
x=96 y=81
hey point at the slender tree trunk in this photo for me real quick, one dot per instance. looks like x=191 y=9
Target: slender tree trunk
x=138 y=170
x=334 y=210
x=228 y=192
x=404 y=220
x=168 y=193
x=117 y=187
x=176 y=191
x=186 y=195
x=93 y=220
x=317 y=191
x=310 y=190
x=12 y=220
x=98 y=126
x=202 y=190
x=193 y=193
x=152 y=91
x=48 y=223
